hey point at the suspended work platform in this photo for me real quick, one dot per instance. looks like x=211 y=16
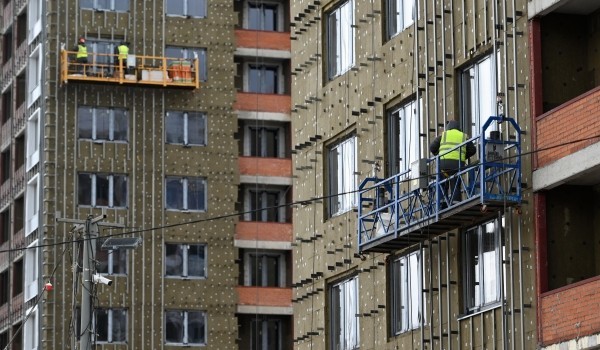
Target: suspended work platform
x=136 y=70
x=408 y=208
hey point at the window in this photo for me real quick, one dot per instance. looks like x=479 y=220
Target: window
x=98 y=123
x=7 y=45
x=185 y=327
x=105 y=5
x=4 y=340
x=264 y=79
x=32 y=205
x=4 y=287
x=33 y=139
x=403 y=137
x=101 y=53
x=5 y=166
x=264 y=141
x=110 y=262
x=405 y=294
x=264 y=269
x=34 y=12
x=19 y=214
x=266 y=205
x=186 y=193
x=478 y=89
x=483 y=254
x=19 y=151
x=17 y=278
x=34 y=75
x=4 y=226
x=102 y=190
x=111 y=325
x=266 y=334
x=400 y=15
x=343 y=329
x=342 y=176
x=185 y=260
x=30 y=330
x=340 y=39
x=189 y=53
x=264 y=16
x=6 y=106
x=191 y=8
x=31 y=271
x=187 y=128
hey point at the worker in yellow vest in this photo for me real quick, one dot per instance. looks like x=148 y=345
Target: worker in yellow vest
x=81 y=57
x=451 y=159
x=121 y=53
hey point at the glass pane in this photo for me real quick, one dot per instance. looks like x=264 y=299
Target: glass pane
x=174 y=51
x=408 y=13
x=346 y=39
x=196 y=328
x=273 y=328
x=102 y=123
x=121 y=5
x=394 y=18
x=255 y=266
x=101 y=257
x=271 y=270
x=86 y=4
x=196 y=260
x=120 y=125
x=174 y=326
x=254 y=18
x=269 y=80
x=195 y=194
x=119 y=191
x=472 y=268
x=103 y=4
x=196 y=128
x=174 y=7
x=174 y=193
x=84 y=189
x=102 y=325
x=414 y=287
x=196 y=8
x=271 y=203
x=174 y=126
x=270 y=17
x=173 y=260
x=490 y=263
x=102 y=190
x=271 y=143
x=119 y=325
x=254 y=79
x=119 y=261
x=84 y=116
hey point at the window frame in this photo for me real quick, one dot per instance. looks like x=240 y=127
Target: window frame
x=400 y=22
x=187 y=53
x=262 y=148
x=253 y=212
x=185 y=195
x=186 y=327
x=186 y=131
x=263 y=255
x=110 y=260
x=34 y=75
x=31 y=336
x=401 y=290
x=340 y=324
x=32 y=153
x=94 y=110
x=348 y=199
x=95 y=6
x=111 y=190
x=110 y=325
x=34 y=19
x=32 y=256
x=185 y=263
x=402 y=151
x=340 y=59
x=32 y=206
x=474 y=80
x=279 y=87
x=264 y=332
x=279 y=20
x=185 y=8
x=475 y=279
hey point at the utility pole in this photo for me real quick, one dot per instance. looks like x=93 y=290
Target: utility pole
x=90 y=228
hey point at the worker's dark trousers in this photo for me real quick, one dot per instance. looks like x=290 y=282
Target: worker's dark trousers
x=449 y=168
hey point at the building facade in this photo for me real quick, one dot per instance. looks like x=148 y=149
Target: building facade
x=565 y=177
x=389 y=251
x=170 y=142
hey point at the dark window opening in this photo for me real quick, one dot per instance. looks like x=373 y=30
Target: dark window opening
x=17 y=279
x=19 y=151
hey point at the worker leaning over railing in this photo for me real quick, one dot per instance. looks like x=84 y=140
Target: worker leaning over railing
x=81 y=57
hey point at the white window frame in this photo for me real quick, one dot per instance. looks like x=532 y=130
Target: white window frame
x=187 y=53
x=34 y=75
x=110 y=260
x=110 y=326
x=406 y=295
x=32 y=198
x=31 y=271
x=281 y=267
x=186 y=130
x=185 y=10
x=111 y=124
x=401 y=14
x=405 y=123
x=482 y=288
x=249 y=206
x=111 y=190
x=280 y=130
x=185 y=181
x=279 y=6
x=34 y=19
x=33 y=139
x=31 y=335
x=96 y=7
x=344 y=328
x=186 y=328
x=340 y=47
x=185 y=247
x=478 y=94
x=343 y=197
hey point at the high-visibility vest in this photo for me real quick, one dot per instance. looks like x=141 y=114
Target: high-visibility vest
x=451 y=139
x=123 y=51
x=82 y=51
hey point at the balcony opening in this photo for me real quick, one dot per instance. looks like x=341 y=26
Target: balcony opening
x=21 y=90
x=263 y=76
x=19 y=151
x=265 y=268
x=4 y=226
x=6 y=106
x=7 y=46
x=17 y=278
x=573 y=233
x=266 y=203
x=5 y=166
x=4 y=288
x=265 y=332
x=563 y=32
x=21 y=28
x=4 y=338
x=17 y=340
x=264 y=139
x=19 y=219
x=263 y=15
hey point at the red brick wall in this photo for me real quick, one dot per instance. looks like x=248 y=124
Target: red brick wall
x=263 y=231
x=574 y=120
x=265 y=296
x=246 y=101
x=570 y=312
x=266 y=166
x=263 y=40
